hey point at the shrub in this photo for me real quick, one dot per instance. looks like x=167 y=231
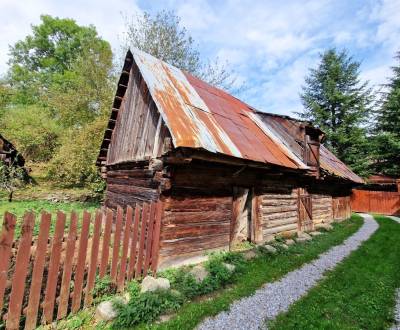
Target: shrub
x=145 y=307
x=103 y=289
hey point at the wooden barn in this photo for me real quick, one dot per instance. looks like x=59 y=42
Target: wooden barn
x=224 y=171
x=9 y=154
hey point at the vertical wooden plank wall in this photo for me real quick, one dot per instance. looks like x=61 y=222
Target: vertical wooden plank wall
x=49 y=262
x=383 y=202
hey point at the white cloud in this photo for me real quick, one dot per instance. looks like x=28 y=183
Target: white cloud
x=270 y=44
x=17 y=17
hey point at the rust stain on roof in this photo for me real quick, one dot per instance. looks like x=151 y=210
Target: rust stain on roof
x=201 y=116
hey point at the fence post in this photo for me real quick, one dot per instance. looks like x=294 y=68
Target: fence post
x=21 y=269
x=37 y=273
x=6 y=241
x=67 y=273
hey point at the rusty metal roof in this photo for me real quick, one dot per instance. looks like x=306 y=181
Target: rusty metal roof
x=289 y=130
x=203 y=117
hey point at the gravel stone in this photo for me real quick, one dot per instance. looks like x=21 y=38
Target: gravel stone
x=229 y=267
x=248 y=255
x=270 y=249
x=199 y=272
x=274 y=298
x=304 y=235
x=396 y=326
x=315 y=233
x=289 y=242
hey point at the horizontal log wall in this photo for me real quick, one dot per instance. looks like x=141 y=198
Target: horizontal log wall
x=193 y=225
x=322 y=208
x=278 y=212
x=130 y=184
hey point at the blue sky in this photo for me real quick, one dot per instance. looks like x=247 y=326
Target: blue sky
x=269 y=44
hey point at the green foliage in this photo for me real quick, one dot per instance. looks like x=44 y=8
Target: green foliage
x=335 y=100
x=33 y=131
x=66 y=72
x=358 y=294
x=74 y=162
x=162 y=36
x=52 y=49
x=12 y=177
x=103 y=289
x=257 y=272
x=145 y=307
x=386 y=146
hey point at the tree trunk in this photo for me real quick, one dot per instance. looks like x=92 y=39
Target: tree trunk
x=10 y=196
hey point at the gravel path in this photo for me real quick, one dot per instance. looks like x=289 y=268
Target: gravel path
x=397 y=310
x=274 y=298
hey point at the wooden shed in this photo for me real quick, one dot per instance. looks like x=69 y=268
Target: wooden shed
x=224 y=171
x=9 y=154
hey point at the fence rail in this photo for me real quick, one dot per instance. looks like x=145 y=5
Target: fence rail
x=45 y=277
x=383 y=202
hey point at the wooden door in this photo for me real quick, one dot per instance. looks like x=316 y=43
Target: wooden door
x=305 y=210
x=240 y=230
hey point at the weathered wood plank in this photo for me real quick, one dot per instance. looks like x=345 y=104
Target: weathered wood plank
x=37 y=273
x=116 y=244
x=80 y=266
x=21 y=269
x=6 y=241
x=52 y=276
x=67 y=273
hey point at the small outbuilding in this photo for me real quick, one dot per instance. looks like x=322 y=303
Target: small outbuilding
x=9 y=154
x=225 y=172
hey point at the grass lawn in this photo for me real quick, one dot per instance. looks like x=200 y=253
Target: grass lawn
x=263 y=269
x=20 y=207
x=359 y=293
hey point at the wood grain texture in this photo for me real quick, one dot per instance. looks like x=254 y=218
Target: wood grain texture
x=6 y=240
x=52 y=276
x=67 y=267
x=21 y=268
x=37 y=273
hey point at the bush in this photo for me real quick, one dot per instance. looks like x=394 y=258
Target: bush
x=33 y=131
x=145 y=307
x=74 y=162
x=103 y=289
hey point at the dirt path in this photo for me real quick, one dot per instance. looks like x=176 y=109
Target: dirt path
x=274 y=298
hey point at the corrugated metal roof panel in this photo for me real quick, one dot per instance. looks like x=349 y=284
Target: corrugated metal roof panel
x=203 y=117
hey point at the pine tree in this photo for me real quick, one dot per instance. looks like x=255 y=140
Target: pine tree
x=386 y=149
x=336 y=101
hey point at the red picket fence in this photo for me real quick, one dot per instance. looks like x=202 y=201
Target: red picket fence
x=45 y=277
x=383 y=202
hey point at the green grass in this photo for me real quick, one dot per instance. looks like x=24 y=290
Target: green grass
x=37 y=206
x=359 y=293
x=259 y=271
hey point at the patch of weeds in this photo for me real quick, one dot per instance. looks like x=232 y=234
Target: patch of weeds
x=145 y=307
x=103 y=289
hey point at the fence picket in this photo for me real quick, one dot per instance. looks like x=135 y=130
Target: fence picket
x=6 y=241
x=106 y=242
x=145 y=218
x=93 y=259
x=68 y=264
x=37 y=273
x=21 y=269
x=156 y=238
x=117 y=243
x=135 y=248
x=149 y=238
x=125 y=246
x=80 y=266
x=54 y=265
x=134 y=241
